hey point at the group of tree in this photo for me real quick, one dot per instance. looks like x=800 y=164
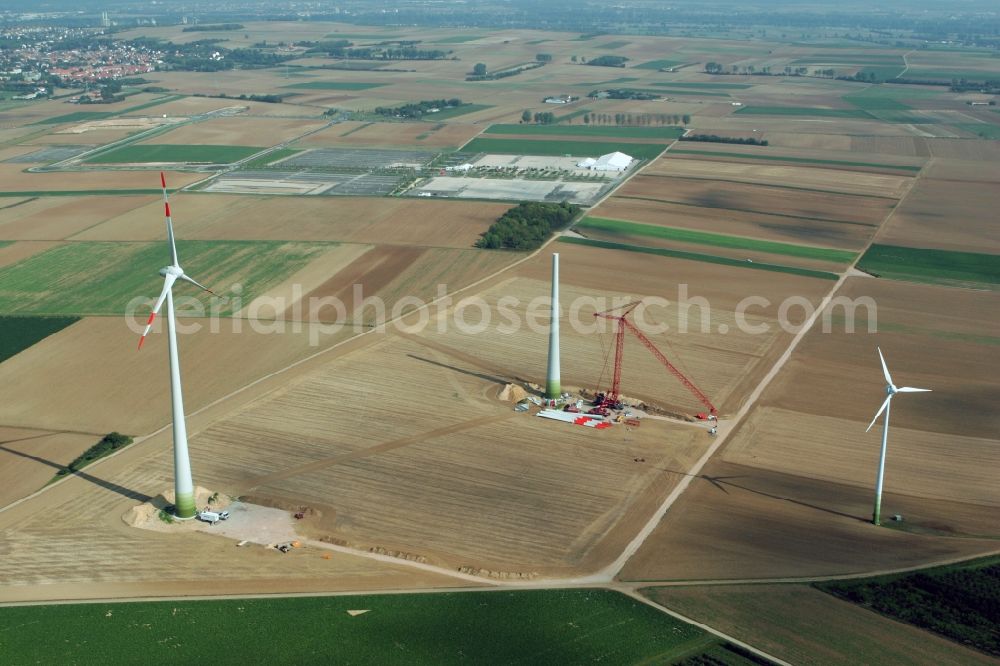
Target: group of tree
x=481 y=73
x=539 y=117
x=962 y=604
x=417 y=109
x=752 y=70
x=638 y=119
x=543 y=57
x=608 y=61
x=218 y=27
x=108 y=444
x=715 y=138
x=527 y=225
x=270 y=99
x=387 y=53
x=625 y=93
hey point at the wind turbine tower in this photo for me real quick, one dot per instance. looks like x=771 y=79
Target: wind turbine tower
x=183 y=485
x=553 y=389
x=891 y=390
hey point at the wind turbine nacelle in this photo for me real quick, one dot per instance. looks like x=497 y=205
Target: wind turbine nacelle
x=171 y=270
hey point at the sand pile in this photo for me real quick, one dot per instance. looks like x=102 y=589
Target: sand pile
x=147 y=514
x=512 y=393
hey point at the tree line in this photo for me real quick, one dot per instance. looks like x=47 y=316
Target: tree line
x=417 y=109
x=715 y=138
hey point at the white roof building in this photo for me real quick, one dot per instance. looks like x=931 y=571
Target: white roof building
x=612 y=162
x=587 y=163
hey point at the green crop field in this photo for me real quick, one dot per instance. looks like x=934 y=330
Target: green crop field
x=795 y=160
x=960 y=602
x=103 y=277
x=456 y=39
x=574 y=148
x=804 y=111
x=503 y=627
x=982 y=130
x=664 y=132
x=613 y=45
x=698 y=86
x=334 y=85
x=658 y=64
x=76 y=117
x=697 y=256
x=151 y=103
x=949 y=74
x=634 y=229
x=166 y=152
x=932 y=266
x=273 y=156
x=457 y=111
x=876 y=103
x=19 y=333
x=702 y=93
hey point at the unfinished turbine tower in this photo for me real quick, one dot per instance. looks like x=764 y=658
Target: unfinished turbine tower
x=553 y=389
x=891 y=390
x=183 y=485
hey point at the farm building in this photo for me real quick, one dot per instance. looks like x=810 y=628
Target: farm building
x=615 y=161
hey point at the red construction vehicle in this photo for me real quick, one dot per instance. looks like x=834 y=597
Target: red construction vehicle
x=611 y=399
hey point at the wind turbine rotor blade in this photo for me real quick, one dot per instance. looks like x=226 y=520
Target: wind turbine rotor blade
x=885 y=368
x=910 y=389
x=170 y=222
x=197 y=284
x=168 y=282
x=879 y=413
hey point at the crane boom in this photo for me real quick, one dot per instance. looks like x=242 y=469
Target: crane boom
x=670 y=366
x=612 y=398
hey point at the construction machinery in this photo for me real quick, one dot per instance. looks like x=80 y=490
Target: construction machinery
x=612 y=399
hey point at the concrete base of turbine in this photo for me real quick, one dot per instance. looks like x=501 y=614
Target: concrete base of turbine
x=184 y=507
x=553 y=391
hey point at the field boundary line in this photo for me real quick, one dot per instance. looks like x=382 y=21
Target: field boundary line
x=704 y=627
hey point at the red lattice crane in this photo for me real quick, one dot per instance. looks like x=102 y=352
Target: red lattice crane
x=611 y=399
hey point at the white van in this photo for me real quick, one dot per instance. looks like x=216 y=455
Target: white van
x=213 y=516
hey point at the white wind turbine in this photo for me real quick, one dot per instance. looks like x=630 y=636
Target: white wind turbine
x=891 y=390
x=183 y=485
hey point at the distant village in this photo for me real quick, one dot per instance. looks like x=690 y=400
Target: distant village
x=33 y=61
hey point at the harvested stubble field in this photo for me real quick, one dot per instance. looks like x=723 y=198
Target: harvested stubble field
x=752 y=225
x=237 y=131
x=767 y=199
x=52 y=385
x=805 y=501
x=802 y=625
x=555 y=497
x=46 y=554
x=15 y=179
x=344 y=219
x=377 y=134
x=948 y=214
x=401 y=277
x=58 y=218
x=837 y=175
x=737 y=522
x=29 y=458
